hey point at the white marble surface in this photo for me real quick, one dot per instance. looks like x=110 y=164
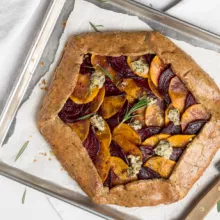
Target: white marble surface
x=37 y=205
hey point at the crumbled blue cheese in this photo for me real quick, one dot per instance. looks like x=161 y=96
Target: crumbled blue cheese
x=97 y=79
x=140 y=66
x=150 y=100
x=164 y=149
x=97 y=122
x=135 y=165
x=174 y=116
x=136 y=125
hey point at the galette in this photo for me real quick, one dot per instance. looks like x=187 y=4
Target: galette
x=131 y=117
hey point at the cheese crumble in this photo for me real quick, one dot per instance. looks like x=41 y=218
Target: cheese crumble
x=97 y=79
x=98 y=122
x=140 y=66
x=164 y=149
x=174 y=116
x=135 y=166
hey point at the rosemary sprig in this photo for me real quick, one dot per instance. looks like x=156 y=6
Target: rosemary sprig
x=95 y=26
x=218 y=206
x=21 y=151
x=105 y=71
x=85 y=116
x=143 y=102
x=23 y=197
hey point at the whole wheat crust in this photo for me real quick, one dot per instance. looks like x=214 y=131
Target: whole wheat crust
x=69 y=149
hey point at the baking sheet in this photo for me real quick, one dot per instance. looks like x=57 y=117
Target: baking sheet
x=39 y=161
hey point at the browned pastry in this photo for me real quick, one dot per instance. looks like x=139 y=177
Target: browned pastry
x=131 y=117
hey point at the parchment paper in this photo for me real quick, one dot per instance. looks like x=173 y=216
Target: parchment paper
x=37 y=158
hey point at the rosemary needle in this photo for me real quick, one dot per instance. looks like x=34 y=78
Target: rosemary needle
x=21 y=151
x=23 y=197
x=95 y=26
x=85 y=116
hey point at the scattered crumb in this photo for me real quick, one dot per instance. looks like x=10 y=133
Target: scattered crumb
x=30 y=136
x=51 y=153
x=35 y=160
x=64 y=24
x=43 y=154
x=44 y=82
x=41 y=63
x=49 y=158
x=61 y=169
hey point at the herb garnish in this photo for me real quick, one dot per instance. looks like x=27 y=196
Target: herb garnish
x=23 y=197
x=218 y=206
x=21 y=151
x=105 y=71
x=95 y=26
x=143 y=102
x=85 y=116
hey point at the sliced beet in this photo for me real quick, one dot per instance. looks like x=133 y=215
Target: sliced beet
x=72 y=111
x=116 y=151
x=171 y=129
x=148 y=58
x=194 y=127
x=117 y=118
x=142 y=82
x=190 y=100
x=177 y=152
x=147 y=132
x=164 y=82
x=120 y=65
x=108 y=181
x=147 y=173
x=147 y=152
x=110 y=88
x=92 y=144
x=86 y=66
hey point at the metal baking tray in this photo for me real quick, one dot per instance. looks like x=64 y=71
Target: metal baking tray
x=44 y=48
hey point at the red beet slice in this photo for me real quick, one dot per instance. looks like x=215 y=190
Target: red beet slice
x=147 y=173
x=108 y=181
x=120 y=65
x=194 y=127
x=171 y=129
x=147 y=151
x=148 y=132
x=110 y=88
x=142 y=82
x=148 y=58
x=177 y=152
x=86 y=66
x=190 y=100
x=72 y=111
x=164 y=81
x=116 y=151
x=92 y=144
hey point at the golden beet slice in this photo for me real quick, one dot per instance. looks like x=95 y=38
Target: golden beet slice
x=138 y=65
x=97 y=101
x=130 y=87
x=140 y=116
x=160 y=165
x=128 y=132
x=193 y=113
x=82 y=93
x=119 y=167
x=156 y=67
x=154 y=140
x=111 y=105
x=81 y=128
x=127 y=147
x=154 y=88
x=103 y=162
x=180 y=140
x=154 y=115
x=177 y=92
